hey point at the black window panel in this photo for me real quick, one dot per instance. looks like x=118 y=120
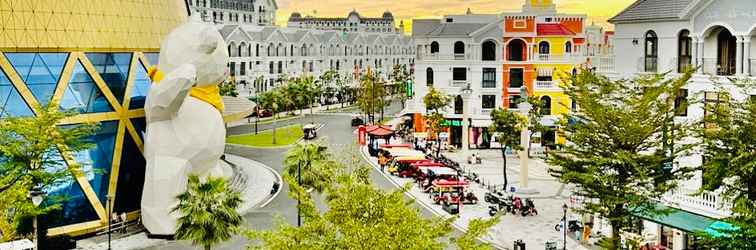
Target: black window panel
x=489 y=101
x=516 y=78
x=681 y=103
x=514 y=100
x=489 y=78
x=459 y=74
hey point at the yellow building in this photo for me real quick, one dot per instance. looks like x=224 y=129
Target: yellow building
x=89 y=56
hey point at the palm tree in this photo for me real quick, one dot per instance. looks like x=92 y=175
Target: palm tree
x=271 y=100
x=309 y=162
x=208 y=212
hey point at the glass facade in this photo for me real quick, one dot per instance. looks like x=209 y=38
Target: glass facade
x=82 y=94
x=114 y=69
x=79 y=90
x=140 y=87
x=11 y=103
x=40 y=72
x=152 y=58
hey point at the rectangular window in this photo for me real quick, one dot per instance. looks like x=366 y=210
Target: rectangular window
x=515 y=78
x=232 y=68
x=489 y=101
x=514 y=100
x=459 y=74
x=242 y=68
x=681 y=103
x=489 y=78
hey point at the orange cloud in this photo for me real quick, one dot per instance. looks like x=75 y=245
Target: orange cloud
x=597 y=10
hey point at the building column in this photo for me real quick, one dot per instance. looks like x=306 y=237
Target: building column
x=747 y=56
x=739 y=56
x=700 y=49
x=694 y=53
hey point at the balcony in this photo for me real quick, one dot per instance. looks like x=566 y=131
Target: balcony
x=544 y=84
x=459 y=56
x=706 y=203
x=459 y=83
x=603 y=64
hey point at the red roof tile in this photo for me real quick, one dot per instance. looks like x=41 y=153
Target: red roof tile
x=553 y=29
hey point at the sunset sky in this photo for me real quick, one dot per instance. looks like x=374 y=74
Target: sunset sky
x=597 y=10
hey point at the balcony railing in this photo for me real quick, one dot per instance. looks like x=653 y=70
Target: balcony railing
x=603 y=64
x=706 y=203
x=544 y=84
x=458 y=83
x=753 y=67
x=459 y=56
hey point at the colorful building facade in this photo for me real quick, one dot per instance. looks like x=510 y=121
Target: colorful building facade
x=541 y=48
x=89 y=57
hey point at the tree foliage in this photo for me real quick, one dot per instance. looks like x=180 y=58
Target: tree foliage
x=311 y=161
x=371 y=93
x=508 y=126
x=228 y=89
x=207 y=212
x=401 y=76
x=616 y=156
x=435 y=100
x=729 y=142
x=360 y=216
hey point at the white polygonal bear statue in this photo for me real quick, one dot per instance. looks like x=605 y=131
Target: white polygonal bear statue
x=185 y=129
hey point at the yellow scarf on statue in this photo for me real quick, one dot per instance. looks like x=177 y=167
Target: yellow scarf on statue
x=209 y=94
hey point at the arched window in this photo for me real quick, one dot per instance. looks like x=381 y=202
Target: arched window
x=458 y=105
x=291 y=50
x=568 y=47
x=459 y=47
x=488 y=51
x=516 y=50
x=429 y=76
x=726 y=52
x=240 y=50
x=684 y=50
x=270 y=49
x=545 y=105
x=434 y=47
x=651 y=51
x=543 y=48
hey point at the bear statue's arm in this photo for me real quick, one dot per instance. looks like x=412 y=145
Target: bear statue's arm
x=165 y=98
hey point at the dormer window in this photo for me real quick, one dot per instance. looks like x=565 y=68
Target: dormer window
x=450 y=20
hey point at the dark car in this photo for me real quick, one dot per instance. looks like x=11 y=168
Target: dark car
x=357 y=121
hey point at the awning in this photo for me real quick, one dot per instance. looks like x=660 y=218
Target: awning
x=684 y=220
x=379 y=130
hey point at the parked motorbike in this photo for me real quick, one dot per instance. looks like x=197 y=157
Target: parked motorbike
x=503 y=205
x=528 y=208
x=469 y=198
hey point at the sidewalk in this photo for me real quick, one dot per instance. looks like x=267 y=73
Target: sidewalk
x=282 y=116
x=535 y=231
x=259 y=181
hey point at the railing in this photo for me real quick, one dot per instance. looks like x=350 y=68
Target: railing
x=439 y=56
x=488 y=84
x=753 y=67
x=603 y=64
x=459 y=56
x=544 y=84
x=712 y=66
x=706 y=203
x=458 y=83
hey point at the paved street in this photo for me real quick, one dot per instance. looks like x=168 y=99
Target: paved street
x=338 y=135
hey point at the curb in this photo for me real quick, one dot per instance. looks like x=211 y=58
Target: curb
x=262 y=147
x=279 y=180
x=426 y=206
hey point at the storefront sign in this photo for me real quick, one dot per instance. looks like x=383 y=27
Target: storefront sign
x=452 y=123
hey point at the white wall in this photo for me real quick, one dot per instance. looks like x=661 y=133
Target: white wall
x=629 y=57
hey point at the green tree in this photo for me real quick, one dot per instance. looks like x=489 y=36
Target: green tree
x=535 y=115
x=508 y=126
x=616 y=157
x=729 y=144
x=207 y=212
x=328 y=81
x=435 y=100
x=310 y=161
x=30 y=153
x=360 y=216
x=370 y=94
x=400 y=76
x=228 y=88
x=273 y=101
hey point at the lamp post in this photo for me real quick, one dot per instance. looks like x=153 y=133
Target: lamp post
x=36 y=195
x=299 y=199
x=524 y=139
x=564 y=228
x=465 y=121
x=110 y=216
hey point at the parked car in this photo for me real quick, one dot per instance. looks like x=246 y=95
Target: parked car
x=357 y=121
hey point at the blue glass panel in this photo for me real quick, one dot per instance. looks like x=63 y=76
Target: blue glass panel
x=74 y=205
x=152 y=58
x=114 y=69
x=140 y=89
x=130 y=177
x=40 y=72
x=83 y=95
x=140 y=125
x=11 y=103
x=96 y=161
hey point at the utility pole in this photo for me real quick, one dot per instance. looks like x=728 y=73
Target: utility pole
x=299 y=199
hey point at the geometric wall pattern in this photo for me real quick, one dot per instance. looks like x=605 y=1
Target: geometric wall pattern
x=100 y=87
x=88 y=56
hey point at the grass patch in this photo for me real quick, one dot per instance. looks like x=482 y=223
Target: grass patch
x=284 y=136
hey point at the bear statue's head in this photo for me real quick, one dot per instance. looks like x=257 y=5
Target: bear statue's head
x=199 y=44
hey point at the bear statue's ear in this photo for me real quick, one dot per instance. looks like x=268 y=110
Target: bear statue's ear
x=208 y=40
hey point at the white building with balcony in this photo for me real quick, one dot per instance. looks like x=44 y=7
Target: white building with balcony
x=717 y=37
x=455 y=53
x=261 y=55
x=242 y=12
x=352 y=22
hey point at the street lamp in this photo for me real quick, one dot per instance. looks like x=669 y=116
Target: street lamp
x=110 y=216
x=37 y=196
x=564 y=229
